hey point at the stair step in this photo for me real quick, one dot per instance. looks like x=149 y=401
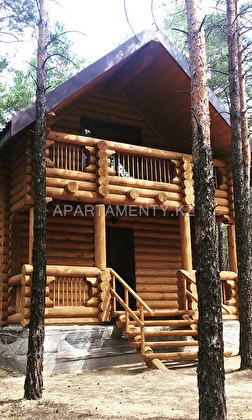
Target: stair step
x=156 y=344
x=167 y=322
x=176 y=356
x=160 y=313
x=171 y=356
x=174 y=333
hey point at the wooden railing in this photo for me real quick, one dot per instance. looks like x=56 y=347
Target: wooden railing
x=188 y=296
x=143 y=167
x=129 y=313
x=68 y=291
x=68 y=156
x=71 y=292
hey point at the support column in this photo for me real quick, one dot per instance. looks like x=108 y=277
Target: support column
x=232 y=248
x=185 y=240
x=100 y=236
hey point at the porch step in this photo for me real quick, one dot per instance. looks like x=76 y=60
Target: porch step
x=169 y=356
x=161 y=313
x=167 y=323
x=175 y=356
x=170 y=333
x=168 y=344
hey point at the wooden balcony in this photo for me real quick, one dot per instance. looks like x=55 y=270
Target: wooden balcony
x=88 y=170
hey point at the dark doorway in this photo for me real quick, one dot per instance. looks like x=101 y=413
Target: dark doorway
x=121 y=257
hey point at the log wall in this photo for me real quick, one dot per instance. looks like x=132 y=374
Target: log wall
x=70 y=238
x=157 y=258
x=4 y=235
x=110 y=107
x=21 y=165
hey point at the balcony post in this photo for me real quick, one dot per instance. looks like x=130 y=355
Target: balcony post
x=185 y=240
x=100 y=236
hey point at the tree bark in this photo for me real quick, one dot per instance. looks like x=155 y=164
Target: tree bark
x=211 y=375
x=241 y=192
x=34 y=370
x=221 y=247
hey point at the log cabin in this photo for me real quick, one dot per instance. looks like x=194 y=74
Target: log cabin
x=120 y=195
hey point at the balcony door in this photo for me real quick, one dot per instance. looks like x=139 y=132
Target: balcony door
x=121 y=257
x=110 y=131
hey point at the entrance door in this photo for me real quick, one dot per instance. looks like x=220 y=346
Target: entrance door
x=121 y=257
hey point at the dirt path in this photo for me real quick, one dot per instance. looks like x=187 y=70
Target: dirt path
x=129 y=392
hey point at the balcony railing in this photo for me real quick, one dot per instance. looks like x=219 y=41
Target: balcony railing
x=143 y=167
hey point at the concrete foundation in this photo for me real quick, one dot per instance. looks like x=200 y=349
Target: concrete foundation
x=68 y=348
x=75 y=348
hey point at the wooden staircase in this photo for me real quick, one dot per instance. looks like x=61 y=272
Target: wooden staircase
x=167 y=335
x=160 y=335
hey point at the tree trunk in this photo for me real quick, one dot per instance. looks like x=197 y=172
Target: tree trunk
x=211 y=375
x=34 y=370
x=221 y=247
x=241 y=193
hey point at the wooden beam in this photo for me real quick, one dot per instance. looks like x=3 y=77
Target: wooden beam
x=100 y=236
x=185 y=241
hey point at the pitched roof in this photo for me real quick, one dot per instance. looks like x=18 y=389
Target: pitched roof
x=111 y=67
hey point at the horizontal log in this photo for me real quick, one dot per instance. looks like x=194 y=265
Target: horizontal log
x=15 y=319
x=228 y=275
x=223 y=202
x=72 y=228
x=171 y=356
x=156 y=257
x=144 y=184
x=221 y=194
x=72 y=321
x=71 y=271
x=156 y=273
x=53 y=245
x=144 y=248
x=71 y=312
x=67 y=261
x=157 y=242
x=156 y=280
x=165 y=304
x=15 y=280
x=156 y=288
x=62 y=183
x=92 y=302
x=72 y=253
x=53 y=237
x=52 y=173
x=160 y=296
x=220 y=210
x=74 y=217
x=156 y=234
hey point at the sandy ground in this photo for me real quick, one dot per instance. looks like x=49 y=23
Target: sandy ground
x=125 y=392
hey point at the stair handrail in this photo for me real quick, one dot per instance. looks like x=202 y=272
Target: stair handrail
x=125 y=304
x=188 y=276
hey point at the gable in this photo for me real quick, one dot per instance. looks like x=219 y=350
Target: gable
x=145 y=82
